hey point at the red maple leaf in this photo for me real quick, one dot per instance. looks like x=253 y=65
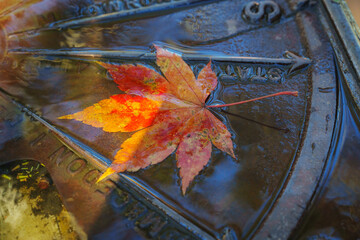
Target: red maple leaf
x=168 y=114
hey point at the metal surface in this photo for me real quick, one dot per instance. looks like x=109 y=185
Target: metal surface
x=48 y=69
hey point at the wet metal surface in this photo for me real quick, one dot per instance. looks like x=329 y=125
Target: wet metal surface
x=48 y=69
x=334 y=213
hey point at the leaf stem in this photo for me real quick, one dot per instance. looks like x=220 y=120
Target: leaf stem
x=292 y=93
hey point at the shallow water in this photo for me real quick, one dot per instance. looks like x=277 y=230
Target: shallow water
x=52 y=70
x=335 y=213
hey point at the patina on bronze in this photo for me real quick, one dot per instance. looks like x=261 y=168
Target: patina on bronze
x=48 y=69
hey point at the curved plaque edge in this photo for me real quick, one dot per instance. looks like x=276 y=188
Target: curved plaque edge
x=300 y=187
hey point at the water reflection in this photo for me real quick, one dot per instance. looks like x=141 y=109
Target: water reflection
x=336 y=212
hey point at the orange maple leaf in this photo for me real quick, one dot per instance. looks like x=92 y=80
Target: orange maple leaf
x=168 y=114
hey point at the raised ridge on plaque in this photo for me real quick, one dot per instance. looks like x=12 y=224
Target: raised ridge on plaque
x=291 y=60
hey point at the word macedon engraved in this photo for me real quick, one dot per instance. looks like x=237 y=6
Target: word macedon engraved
x=235 y=73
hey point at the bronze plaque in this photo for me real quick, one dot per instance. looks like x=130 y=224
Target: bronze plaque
x=52 y=64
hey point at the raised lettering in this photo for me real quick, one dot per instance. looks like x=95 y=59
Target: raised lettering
x=131 y=4
x=91 y=176
x=243 y=72
x=75 y=166
x=37 y=141
x=153 y=223
x=171 y=234
x=196 y=68
x=229 y=70
x=119 y=199
x=113 y=6
x=146 y=3
x=274 y=75
x=218 y=71
x=259 y=76
x=105 y=187
x=135 y=211
x=60 y=155
x=256 y=11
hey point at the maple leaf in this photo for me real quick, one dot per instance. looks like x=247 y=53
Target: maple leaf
x=167 y=114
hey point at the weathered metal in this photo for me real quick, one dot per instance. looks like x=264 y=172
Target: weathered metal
x=48 y=69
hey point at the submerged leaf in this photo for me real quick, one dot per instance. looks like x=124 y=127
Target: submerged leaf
x=169 y=114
